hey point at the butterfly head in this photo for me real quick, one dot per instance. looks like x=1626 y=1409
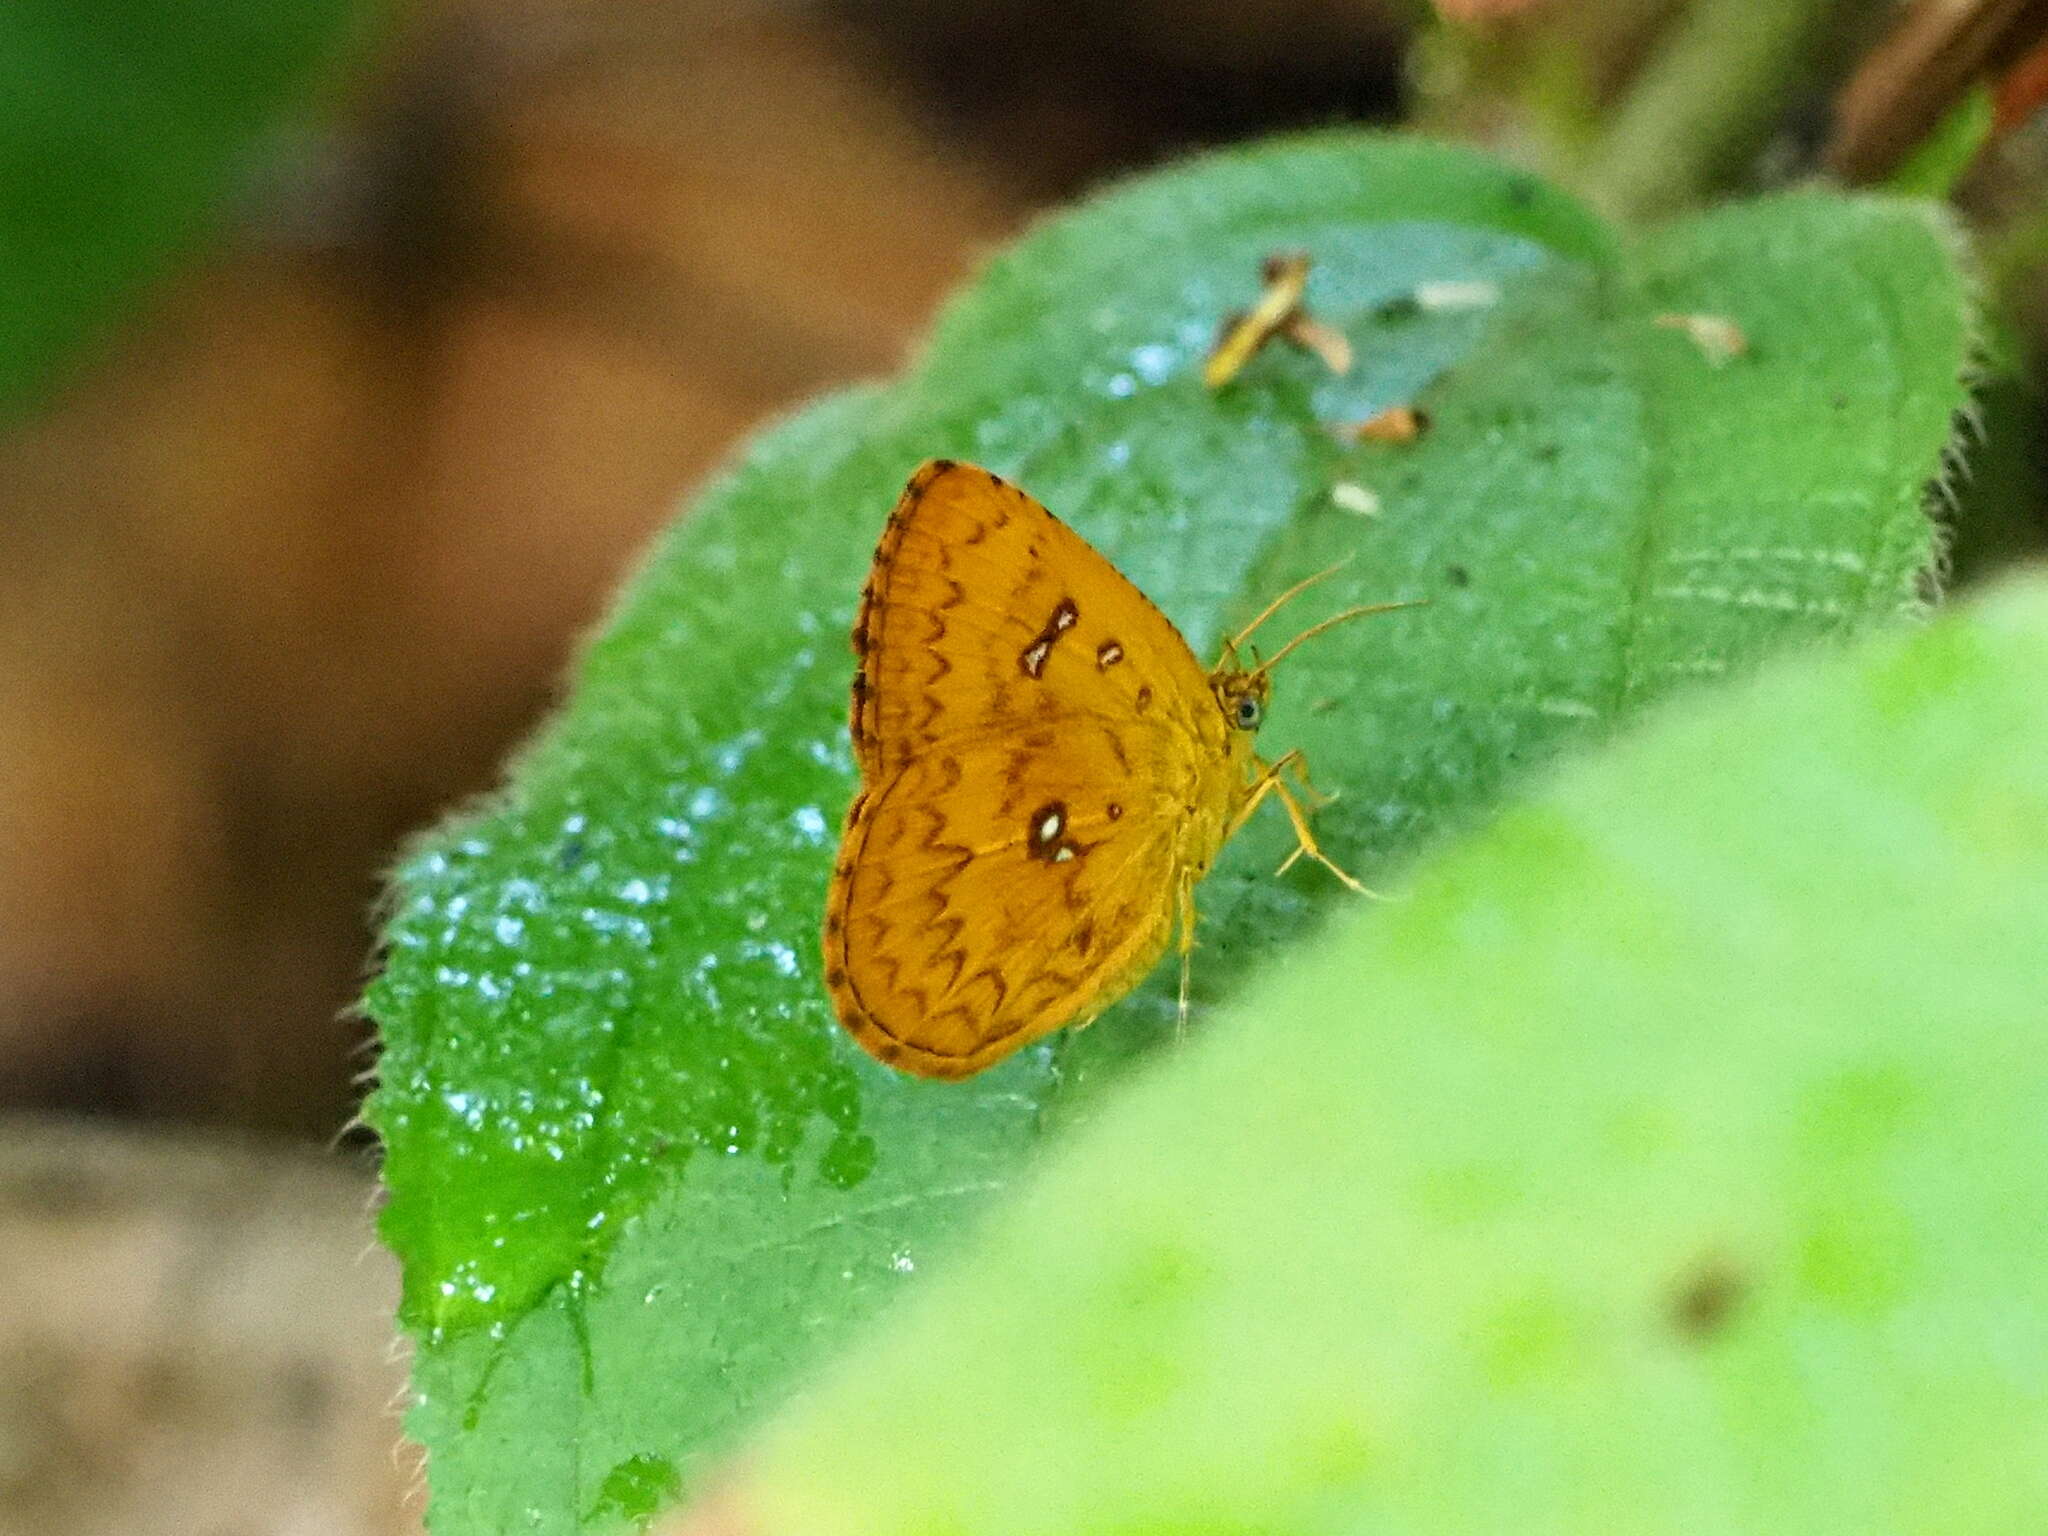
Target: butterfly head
x=1242 y=693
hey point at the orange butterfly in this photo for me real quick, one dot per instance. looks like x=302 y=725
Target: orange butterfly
x=1046 y=772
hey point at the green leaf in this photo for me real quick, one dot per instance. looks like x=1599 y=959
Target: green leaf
x=123 y=125
x=1671 y=1161
x=638 y=1177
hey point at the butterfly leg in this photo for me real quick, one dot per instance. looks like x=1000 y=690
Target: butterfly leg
x=1272 y=781
x=1318 y=797
x=1316 y=801
x=1254 y=792
x=1187 y=954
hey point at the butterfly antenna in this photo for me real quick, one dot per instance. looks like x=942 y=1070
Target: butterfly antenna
x=1236 y=641
x=1331 y=623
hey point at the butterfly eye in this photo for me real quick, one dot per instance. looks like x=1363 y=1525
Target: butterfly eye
x=1249 y=713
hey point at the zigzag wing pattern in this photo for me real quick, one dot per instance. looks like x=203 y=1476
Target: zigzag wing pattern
x=984 y=611
x=996 y=889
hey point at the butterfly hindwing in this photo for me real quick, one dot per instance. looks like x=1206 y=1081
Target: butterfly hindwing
x=993 y=888
x=984 y=611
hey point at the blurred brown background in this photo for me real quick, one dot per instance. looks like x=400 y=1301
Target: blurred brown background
x=296 y=557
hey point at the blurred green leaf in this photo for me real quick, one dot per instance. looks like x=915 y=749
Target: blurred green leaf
x=1670 y=1162
x=123 y=125
x=638 y=1177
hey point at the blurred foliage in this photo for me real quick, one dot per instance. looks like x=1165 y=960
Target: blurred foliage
x=639 y=1177
x=124 y=128
x=1645 y=106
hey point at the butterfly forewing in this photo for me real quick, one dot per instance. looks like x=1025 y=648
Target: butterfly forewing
x=999 y=887
x=984 y=611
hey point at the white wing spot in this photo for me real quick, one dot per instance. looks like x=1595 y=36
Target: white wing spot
x=1063 y=619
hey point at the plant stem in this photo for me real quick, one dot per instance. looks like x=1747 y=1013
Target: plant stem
x=1708 y=101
